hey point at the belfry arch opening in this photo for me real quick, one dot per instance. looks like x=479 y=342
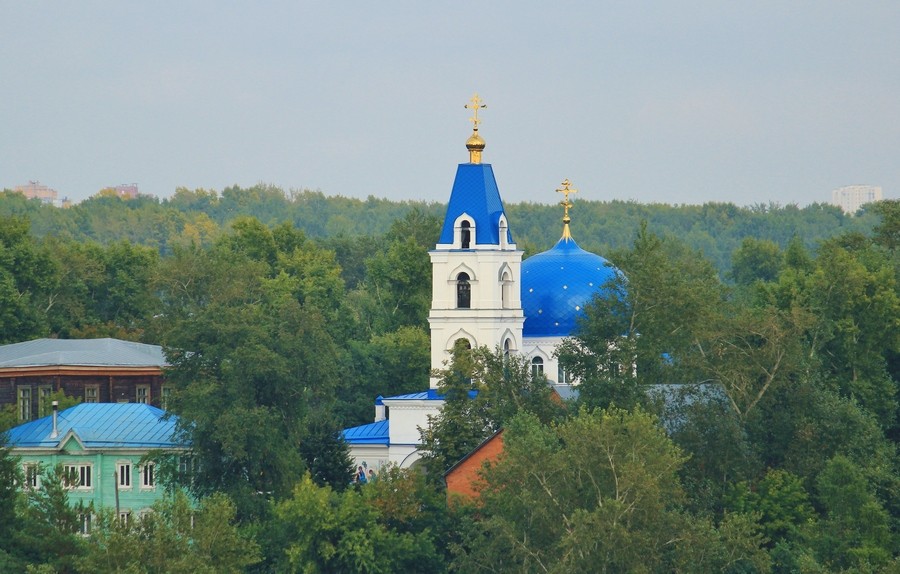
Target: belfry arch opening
x=465 y=234
x=463 y=291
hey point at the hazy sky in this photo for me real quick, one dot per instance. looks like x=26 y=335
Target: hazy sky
x=675 y=102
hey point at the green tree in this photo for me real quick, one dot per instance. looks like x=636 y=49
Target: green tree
x=780 y=499
x=174 y=538
x=482 y=389
x=26 y=272
x=756 y=260
x=855 y=532
x=597 y=493
x=646 y=326
x=321 y=530
x=50 y=525
x=249 y=363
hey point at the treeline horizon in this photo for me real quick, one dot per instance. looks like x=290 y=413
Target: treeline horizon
x=199 y=216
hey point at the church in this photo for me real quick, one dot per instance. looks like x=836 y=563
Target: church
x=484 y=294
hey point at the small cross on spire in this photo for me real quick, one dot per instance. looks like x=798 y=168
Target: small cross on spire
x=475 y=106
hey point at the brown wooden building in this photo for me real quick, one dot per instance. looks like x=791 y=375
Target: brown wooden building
x=93 y=370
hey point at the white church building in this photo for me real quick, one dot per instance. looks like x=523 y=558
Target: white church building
x=483 y=293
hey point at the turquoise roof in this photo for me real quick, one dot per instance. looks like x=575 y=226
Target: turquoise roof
x=557 y=284
x=101 y=425
x=83 y=352
x=475 y=193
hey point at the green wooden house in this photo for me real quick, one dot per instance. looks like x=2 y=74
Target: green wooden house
x=100 y=448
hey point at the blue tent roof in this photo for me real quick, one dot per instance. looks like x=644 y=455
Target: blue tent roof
x=557 y=284
x=475 y=193
x=101 y=425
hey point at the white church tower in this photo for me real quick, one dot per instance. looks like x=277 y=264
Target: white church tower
x=476 y=267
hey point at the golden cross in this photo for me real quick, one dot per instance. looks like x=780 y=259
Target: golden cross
x=565 y=202
x=475 y=106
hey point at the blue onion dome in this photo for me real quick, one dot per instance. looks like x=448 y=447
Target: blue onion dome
x=557 y=284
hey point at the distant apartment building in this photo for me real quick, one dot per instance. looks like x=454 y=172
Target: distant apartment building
x=127 y=190
x=851 y=197
x=36 y=190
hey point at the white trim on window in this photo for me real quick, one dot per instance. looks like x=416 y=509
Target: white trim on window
x=85 y=520
x=123 y=474
x=78 y=476
x=148 y=476
x=32 y=473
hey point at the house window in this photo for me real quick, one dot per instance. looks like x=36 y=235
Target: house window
x=92 y=394
x=562 y=377
x=24 y=403
x=165 y=392
x=85 y=520
x=142 y=394
x=537 y=367
x=32 y=474
x=463 y=291
x=465 y=234
x=44 y=407
x=77 y=476
x=123 y=474
x=148 y=479
x=124 y=517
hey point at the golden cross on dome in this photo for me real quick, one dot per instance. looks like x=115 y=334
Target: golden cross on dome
x=477 y=104
x=566 y=190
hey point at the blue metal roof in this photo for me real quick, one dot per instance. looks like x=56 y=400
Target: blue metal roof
x=84 y=352
x=429 y=395
x=475 y=193
x=372 y=433
x=557 y=284
x=101 y=425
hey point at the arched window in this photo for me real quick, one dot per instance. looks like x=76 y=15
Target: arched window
x=465 y=234
x=504 y=291
x=463 y=291
x=537 y=367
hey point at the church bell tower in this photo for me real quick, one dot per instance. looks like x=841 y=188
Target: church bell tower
x=476 y=267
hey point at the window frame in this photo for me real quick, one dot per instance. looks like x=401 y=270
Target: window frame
x=88 y=398
x=123 y=475
x=537 y=366
x=45 y=407
x=148 y=476
x=23 y=402
x=31 y=473
x=145 y=400
x=86 y=525
x=83 y=472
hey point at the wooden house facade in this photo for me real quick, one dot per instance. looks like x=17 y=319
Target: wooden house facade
x=92 y=370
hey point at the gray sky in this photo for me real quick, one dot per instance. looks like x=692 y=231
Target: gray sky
x=675 y=102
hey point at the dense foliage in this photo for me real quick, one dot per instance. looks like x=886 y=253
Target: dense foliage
x=738 y=411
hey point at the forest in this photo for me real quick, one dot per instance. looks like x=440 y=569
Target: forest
x=756 y=432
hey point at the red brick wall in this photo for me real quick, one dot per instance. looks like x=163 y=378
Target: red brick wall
x=462 y=480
